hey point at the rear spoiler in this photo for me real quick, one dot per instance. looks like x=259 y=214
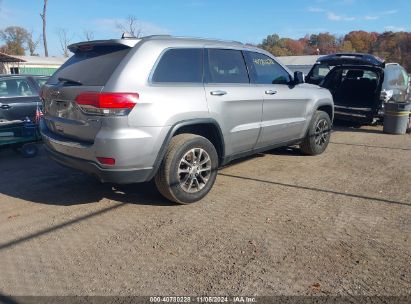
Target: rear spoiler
x=88 y=45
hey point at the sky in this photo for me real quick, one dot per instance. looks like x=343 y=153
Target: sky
x=245 y=21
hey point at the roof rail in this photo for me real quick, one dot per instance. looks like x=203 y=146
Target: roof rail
x=186 y=37
x=154 y=36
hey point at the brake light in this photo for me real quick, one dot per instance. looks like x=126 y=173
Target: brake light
x=106 y=161
x=107 y=103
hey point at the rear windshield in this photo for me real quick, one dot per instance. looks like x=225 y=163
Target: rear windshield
x=92 y=67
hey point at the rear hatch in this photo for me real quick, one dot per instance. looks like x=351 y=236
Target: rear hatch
x=355 y=89
x=326 y=63
x=83 y=74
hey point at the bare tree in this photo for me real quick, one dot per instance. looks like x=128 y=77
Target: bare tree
x=131 y=26
x=65 y=38
x=89 y=35
x=32 y=43
x=43 y=17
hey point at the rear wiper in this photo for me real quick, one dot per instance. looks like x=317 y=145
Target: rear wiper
x=68 y=80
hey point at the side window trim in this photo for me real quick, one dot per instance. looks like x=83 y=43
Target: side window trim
x=163 y=52
x=206 y=67
x=250 y=67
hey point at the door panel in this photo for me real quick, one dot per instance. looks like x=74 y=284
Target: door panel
x=18 y=98
x=239 y=110
x=231 y=98
x=18 y=108
x=284 y=114
x=284 y=105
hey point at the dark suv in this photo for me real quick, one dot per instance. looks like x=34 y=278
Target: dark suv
x=360 y=84
x=19 y=96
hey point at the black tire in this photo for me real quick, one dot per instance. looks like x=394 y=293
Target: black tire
x=29 y=150
x=318 y=134
x=170 y=183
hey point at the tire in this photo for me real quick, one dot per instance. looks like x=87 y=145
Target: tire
x=180 y=178
x=29 y=150
x=318 y=134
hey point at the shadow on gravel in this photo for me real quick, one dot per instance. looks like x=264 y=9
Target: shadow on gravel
x=7 y=300
x=290 y=151
x=346 y=126
x=318 y=190
x=41 y=180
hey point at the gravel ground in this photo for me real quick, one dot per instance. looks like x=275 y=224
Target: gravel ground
x=278 y=223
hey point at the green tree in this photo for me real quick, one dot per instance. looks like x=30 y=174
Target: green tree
x=15 y=38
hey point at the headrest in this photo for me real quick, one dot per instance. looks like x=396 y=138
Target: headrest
x=352 y=74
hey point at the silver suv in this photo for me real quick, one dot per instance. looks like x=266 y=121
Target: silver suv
x=176 y=109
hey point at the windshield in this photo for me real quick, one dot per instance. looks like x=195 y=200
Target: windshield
x=91 y=67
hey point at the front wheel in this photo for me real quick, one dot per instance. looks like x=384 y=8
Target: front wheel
x=189 y=169
x=318 y=134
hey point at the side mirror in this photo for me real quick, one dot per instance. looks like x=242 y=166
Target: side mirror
x=298 y=77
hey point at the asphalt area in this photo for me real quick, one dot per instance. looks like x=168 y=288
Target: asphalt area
x=278 y=223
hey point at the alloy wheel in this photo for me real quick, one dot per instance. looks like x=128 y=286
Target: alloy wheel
x=194 y=170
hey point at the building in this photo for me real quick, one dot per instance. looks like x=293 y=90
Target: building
x=299 y=63
x=12 y=64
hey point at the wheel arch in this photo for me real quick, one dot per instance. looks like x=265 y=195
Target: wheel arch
x=327 y=108
x=206 y=127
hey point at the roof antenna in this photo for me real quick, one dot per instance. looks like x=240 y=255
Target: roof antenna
x=127 y=36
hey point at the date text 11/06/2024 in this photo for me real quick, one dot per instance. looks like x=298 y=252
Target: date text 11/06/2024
x=203 y=299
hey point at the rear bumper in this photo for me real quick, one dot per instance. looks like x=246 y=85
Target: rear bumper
x=104 y=175
x=82 y=156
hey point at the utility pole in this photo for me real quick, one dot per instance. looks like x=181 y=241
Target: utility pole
x=43 y=17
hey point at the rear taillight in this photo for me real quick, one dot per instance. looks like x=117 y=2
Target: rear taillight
x=109 y=161
x=107 y=103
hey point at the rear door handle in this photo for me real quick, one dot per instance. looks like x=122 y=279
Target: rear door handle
x=218 y=93
x=270 y=92
x=5 y=107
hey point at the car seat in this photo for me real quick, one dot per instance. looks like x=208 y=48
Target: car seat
x=24 y=89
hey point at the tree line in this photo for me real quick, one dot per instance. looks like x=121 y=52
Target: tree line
x=392 y=46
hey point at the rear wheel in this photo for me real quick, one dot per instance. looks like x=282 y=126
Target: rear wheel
x=189 y=169
x=318 y=135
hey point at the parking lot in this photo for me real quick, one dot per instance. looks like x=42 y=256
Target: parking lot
x=276 y=223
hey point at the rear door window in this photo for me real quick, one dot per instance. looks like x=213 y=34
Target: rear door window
x=180 y=65
x=91 y=66
x=226 y=66
x=266 y=70
x=15 y=87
